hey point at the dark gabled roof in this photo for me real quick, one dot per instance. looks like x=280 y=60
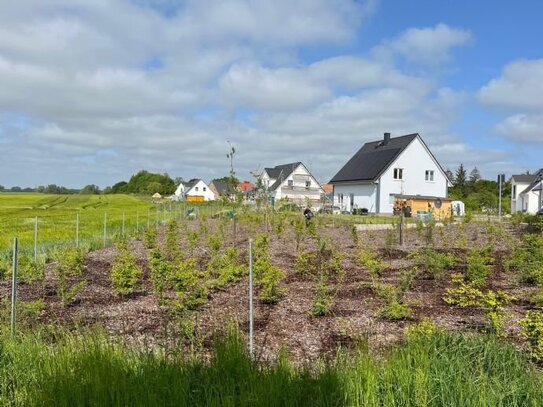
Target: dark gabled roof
x=220 y=186
x=373 y=159
x=537 y=178
x=524 y=178
x=281 y=173
x=188 y=185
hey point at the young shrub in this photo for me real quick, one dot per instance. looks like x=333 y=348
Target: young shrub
x=468 y=295
x=5 y=268
x=224 y=269
x=192 y=239
x=69 y=269
x=125 y=272
x=215 y=242
x=461 y=294
x=478 y=267
x=334 y=264
x=391 y=240
x=527 y=260
x=150 y=238
x=269 y=278
x=354 y=235
x=172 y=248
x=323 y=297
x=532 y=331
x=161 y=270
x=369 y=261
x=306 y=263
x=191 y=290
x=395 y=311
x=432 y=262
x=30 y=271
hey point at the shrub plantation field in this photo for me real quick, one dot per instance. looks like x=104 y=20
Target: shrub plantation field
x=344 y=316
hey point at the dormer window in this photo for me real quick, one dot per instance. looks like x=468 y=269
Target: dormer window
x=398 y=173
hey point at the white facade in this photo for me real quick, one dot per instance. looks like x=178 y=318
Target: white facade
x=413 y=172
x=299 y=187
x=527 y=202
x=348 y=196
x=198 y=189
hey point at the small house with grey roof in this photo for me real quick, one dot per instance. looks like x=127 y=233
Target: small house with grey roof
x=292 y=182
x=388 y=168
x=527 y=192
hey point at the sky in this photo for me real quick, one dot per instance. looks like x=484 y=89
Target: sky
x=92 y=91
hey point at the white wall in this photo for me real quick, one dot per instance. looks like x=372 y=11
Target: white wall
x=414 y=160
x=202 y=189
x=529 y=202
x=364 y=196
x=516 y=200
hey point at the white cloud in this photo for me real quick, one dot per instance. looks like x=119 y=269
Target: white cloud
x=520 y=87
x=518 y=92
x=427 y=46
x=523 y=128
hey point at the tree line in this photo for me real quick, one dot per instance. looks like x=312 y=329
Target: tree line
x=479 y=195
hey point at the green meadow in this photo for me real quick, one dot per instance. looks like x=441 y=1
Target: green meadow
x=57 y=218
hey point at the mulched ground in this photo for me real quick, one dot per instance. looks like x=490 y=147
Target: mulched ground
x=287 y=324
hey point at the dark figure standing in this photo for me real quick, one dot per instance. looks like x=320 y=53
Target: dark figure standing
x=308 y=215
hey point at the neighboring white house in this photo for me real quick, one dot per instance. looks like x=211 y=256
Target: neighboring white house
x=194 y=191
x=293 y=182
x=385 y=168
x=527 y=192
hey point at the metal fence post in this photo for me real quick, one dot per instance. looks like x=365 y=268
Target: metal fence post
x=137 y=222
x=251 y=340
x=122 y=228
x=148 y=218
x=77 y=231
x=36 y=240
x=105 y=228
x=14 y=285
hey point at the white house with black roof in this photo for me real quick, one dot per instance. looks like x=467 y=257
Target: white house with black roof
x=294 y=183
x=385 y=168
x=194 y=190
x=527 y=192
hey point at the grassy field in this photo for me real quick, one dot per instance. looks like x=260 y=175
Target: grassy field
x=430 y=369
x=57 y=218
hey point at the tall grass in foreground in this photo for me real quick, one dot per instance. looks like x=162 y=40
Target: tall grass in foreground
x=438 y=370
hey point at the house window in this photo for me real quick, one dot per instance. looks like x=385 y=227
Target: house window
x=290 y=182
x=196 y=189
x=429 y=175
x=205 y=189
x=398 y=173
x=514 y=190
x=307 y=184
x=340 y=198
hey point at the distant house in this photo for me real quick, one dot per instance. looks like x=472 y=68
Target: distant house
x=293 y=182
x=195 y=190
x=527 y=192
x=383 y=170
x=219 y=188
